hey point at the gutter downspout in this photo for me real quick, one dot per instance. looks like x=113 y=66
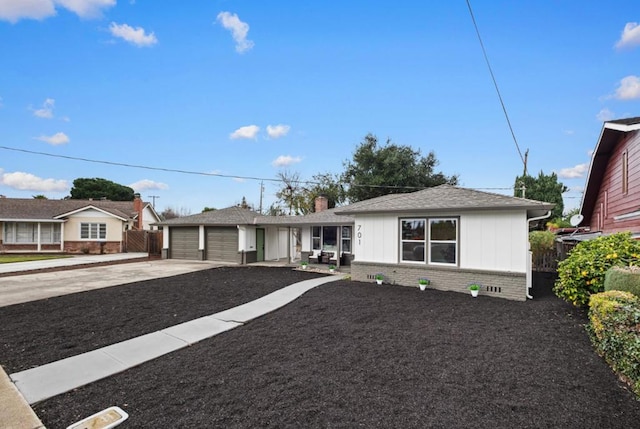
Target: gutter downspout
x=529 y=257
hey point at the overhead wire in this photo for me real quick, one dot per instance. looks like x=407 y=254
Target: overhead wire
x=495 y=83
x=200 y=173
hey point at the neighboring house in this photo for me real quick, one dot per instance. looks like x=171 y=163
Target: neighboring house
x=611 y=201
x=73 y=226
x=453 y=236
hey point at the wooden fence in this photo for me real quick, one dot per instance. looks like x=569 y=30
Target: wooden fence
x=143 y=241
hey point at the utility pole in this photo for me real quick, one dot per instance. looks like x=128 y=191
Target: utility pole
x=154 y=200
x=526 y=157
x=261 y=192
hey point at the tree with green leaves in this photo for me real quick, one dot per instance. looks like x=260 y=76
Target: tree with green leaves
x=389 y=169
x=542 y=188
x=97 y=188
x=327 y=185
x=40 y=197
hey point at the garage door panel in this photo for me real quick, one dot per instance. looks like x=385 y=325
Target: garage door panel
x=184 y=243
x=222 y=244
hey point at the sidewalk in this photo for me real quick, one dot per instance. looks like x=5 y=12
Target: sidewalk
x=84 y=260
x=40 y=383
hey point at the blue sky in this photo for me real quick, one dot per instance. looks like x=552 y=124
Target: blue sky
x=251 y=88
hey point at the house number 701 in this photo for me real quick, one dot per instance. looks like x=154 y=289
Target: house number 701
x=359 y=235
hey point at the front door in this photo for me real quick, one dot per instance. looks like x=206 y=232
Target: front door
x=260 y=244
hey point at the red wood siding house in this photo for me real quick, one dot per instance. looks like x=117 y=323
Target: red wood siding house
x=611 y=201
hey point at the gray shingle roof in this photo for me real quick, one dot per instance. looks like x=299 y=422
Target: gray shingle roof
x=626 y=121
x=229 y=216
x=39 y=209
x=442 y=198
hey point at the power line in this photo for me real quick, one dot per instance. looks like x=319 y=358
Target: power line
x=145 y=167
x=175 y=170
x=495 y=84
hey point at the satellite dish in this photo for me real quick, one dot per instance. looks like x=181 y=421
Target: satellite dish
x=576 y=219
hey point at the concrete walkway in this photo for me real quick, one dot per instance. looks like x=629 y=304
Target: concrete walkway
x=43 y=382
x=18 y=267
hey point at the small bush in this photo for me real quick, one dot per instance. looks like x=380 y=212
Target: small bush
x=582 y=273
x=614 y=329
x=623 y=278
x=541 y=241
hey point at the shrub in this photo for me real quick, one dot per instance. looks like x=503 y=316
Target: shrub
x=623 y=278
x=541 y=241
x=582 y=273
x=614 y=329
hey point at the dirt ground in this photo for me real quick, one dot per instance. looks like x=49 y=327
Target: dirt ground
x=346 y=354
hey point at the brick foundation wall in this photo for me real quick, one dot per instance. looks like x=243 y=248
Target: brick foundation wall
x=494 y=283
x=92 y=247
x=29 y=248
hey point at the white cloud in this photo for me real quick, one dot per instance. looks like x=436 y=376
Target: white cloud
x=238 y=29
x=28 y=182
x=285 y=160
x=630 y=35
x=248 y=132
x=15 y=10
x=575 y=172
x=568 y=132
x=605 y=115
x=56 y=139
x=145 y=184
x=86 y=8
x=629 y=88
x=135 y=36
x=276 y=131
x=47 y=109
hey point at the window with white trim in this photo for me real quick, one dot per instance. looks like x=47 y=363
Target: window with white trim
x=27 y=233
x=443 y=241
x=93 y=231
x=429 y=240
x=412 y=246
x=346 y=239
x=316 y=237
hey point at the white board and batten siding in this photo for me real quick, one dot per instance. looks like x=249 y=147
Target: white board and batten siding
x=276 y=243
x=495 y=241
x=247 y=238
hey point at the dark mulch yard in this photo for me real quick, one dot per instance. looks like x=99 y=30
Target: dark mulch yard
x=44 y=331
x=351 y=354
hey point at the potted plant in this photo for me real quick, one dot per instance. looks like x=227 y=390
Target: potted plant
x=423 y=283
x=332 y=268
x=474 y=288
x=379 y=278
x=304 y=264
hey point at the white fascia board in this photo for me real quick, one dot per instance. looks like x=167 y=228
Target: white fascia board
x=29 y=220
x=89 y=207
x=622 y=127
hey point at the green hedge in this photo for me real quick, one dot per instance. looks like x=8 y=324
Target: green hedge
x=582 y=273
x=626 y=279
x=614 y=329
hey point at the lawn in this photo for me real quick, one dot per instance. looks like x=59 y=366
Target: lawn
x=10 y=258
x=346 y=354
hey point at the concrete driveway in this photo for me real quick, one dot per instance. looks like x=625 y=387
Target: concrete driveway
x=18 y=288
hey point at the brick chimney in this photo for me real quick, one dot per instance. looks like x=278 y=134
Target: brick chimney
x=322 y=203
x=138 y=205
